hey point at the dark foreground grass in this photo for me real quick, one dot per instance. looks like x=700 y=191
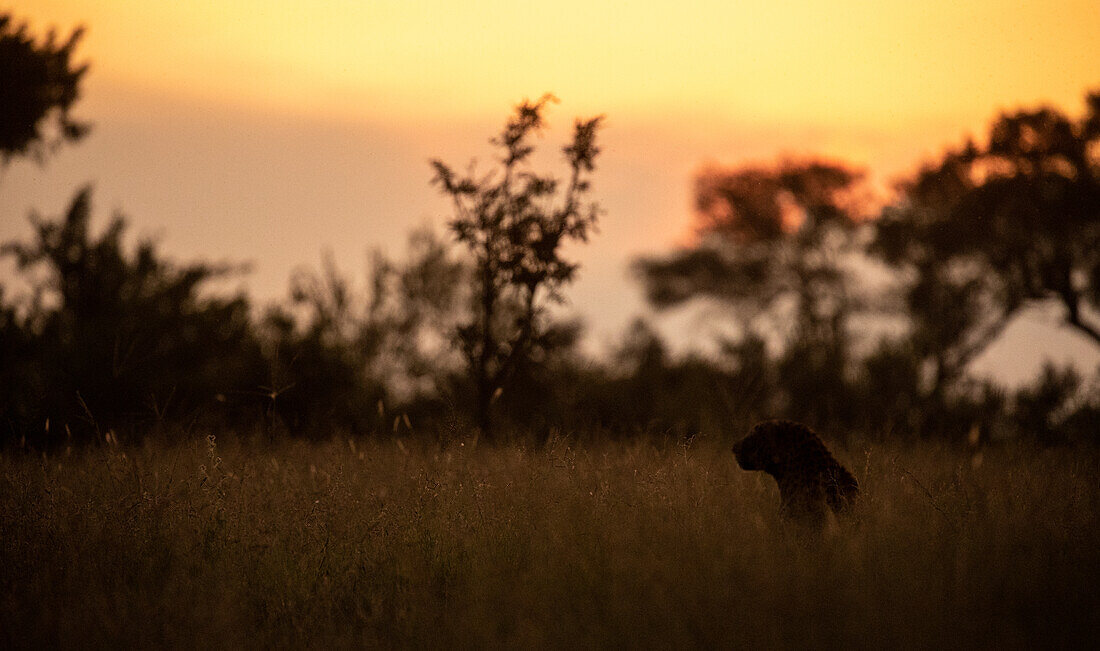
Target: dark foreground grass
x=354 y=543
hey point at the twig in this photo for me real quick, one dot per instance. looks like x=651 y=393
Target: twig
x=931 y=498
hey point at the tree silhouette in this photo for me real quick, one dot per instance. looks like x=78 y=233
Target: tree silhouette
x=338 y=351
x=773 y=242
x=116 y=338
x=989 y=228
x=514 y=225
x=38 y=86
x=768 y=235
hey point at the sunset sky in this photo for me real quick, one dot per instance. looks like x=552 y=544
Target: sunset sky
x=270 y=130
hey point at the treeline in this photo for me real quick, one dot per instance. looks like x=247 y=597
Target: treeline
x=879 y=310
x=850 y=316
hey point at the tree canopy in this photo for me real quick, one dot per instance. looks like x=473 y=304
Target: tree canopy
x=766 y=235
x=993 y=226
x=39 y=83
x=514 y=225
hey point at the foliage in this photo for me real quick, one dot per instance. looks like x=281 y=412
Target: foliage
x=514 y=227
x=38 y=86
x=113 y=339
x=768 y=237
x=116 y=341
x=1058 y=408
x=774 y=245
x=338 y=357
x=991 y=227
x=889 y=394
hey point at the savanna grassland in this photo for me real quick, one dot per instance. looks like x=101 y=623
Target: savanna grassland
x=355 y=543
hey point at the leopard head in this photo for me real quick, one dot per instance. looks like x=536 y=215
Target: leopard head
x=768 y=445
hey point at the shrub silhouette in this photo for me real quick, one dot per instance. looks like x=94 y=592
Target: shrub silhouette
x=117 y=339
x=515 y=235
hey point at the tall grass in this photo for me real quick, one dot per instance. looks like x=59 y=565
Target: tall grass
x=361 y=543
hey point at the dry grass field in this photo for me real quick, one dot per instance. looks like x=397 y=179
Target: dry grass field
x=356 y=543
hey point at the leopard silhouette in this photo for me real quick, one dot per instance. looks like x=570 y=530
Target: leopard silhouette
x=809 y=477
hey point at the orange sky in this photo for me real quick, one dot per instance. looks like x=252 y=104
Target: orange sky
x=269 y=129
x=826 y=62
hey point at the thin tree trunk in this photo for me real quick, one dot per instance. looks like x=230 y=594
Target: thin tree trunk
x=483 y=378
x=1073 y=317
x=1087 y=330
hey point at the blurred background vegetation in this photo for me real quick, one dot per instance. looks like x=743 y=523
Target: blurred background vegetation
x=857 y=318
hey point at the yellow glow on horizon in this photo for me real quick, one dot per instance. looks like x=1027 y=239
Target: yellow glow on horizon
x=815 y=62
